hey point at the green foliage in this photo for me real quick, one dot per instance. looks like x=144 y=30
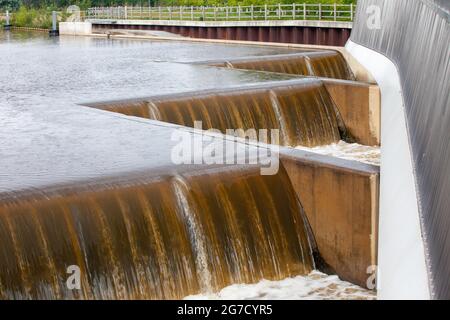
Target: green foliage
x=238 y=2
x=10 y=5
x=32 y=18
x=83 y=4
x=37 y=13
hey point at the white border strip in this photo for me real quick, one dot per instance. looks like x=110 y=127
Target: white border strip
x=246 y=23
x=402 y=271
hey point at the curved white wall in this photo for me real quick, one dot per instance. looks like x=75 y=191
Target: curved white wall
x=402 y=272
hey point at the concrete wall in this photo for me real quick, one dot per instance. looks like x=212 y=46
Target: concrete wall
x=408 y=53
x=359 y=106
x=401 y=262
x=360 y=72
x=332 y=36
x=75 y=28
x=340 y=199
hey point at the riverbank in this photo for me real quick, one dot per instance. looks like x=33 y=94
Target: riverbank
x=30 y=29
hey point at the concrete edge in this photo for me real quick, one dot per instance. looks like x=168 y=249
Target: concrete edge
x=402 y=270
x=247 y=23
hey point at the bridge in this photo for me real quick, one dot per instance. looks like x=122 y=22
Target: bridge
x=317 y=24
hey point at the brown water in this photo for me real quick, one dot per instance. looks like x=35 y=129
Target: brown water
x=93 y=189
x=291 y=64
x=160 y=237
x=328 y=64
x=302 y=110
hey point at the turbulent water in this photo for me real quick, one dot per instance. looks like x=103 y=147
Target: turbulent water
x=349 y=151
x=314 y=286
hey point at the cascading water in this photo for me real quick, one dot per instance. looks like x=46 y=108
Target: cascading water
x=290 y=64
x=156 y=230
x=327 y=64
x=161 y=237
x=302 y=110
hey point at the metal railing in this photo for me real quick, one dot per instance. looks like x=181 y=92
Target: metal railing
x=317 y=12
x=5 y=17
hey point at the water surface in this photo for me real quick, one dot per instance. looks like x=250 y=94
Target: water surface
x=74 y=69
x=48 y=138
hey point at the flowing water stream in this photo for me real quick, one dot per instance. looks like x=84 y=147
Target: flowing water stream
x=96 y=190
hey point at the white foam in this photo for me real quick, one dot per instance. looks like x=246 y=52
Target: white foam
x=349 y=151
x=315 y=286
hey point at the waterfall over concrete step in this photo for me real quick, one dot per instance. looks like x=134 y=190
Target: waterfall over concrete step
x=153 y=237
x=302 y=110
x=325 y=64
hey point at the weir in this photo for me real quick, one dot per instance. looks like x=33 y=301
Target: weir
x=344 y=225
x=307 y=112
x=302 y=110
x=153 y=236
x=139 y=226
x=327 y=64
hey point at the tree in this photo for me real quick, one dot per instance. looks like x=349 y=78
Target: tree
x=10 y=5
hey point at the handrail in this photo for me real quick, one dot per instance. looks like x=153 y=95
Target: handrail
x=314 y=12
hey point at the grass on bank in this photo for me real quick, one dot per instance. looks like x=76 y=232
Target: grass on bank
x=32 y=18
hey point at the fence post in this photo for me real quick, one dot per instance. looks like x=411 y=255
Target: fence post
x=265 y=12
x=304 y=11
x=251 y=8
x=351 y=11
x=226 y=13
x=279 y=11
x=203 y=13
x=126 y=12
x=7 y=25
x=181 y=12
x=239 y=12
x=159 y=13
x=54 y=32
x=335 y=11
x=320 y=11
x=293 y=11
